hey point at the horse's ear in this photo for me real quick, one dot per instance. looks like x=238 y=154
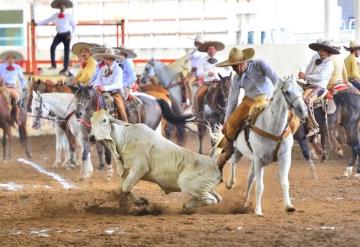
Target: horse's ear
x=220 y=76
x=73 y=88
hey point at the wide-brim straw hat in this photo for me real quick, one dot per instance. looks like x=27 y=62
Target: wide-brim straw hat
x=326 y=45
x=16 y=54
x=352 y=46
x=57 y=3
x=109 y=52
x=128 y=52
x=77 y=47
x=237 y=56
x=204 y=46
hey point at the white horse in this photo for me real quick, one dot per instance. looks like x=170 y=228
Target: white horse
x=274 y=121
x=167 y=75
x=61 y=106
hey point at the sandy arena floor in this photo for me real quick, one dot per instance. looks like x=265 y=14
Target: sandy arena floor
x=40 y=212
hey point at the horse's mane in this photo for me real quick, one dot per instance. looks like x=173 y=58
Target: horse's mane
x=347 y=98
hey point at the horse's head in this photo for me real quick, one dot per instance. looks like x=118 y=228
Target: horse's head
x=225 y=83
x=149 y=71
x=87 y=101
x=38 y=109
x=293 y=95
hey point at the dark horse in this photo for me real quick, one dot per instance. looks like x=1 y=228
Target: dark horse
x=347 y=115
x=6 y=124
x=212 y=109
x=88 y=100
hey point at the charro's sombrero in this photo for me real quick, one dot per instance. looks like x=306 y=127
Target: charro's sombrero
x=237 y=56
x=204 y=46
x=353 y=46
x=57 y=3
x=109 y=52
x=199 y=38
x=16 y=54
x=77 y=47
x=128 y=52
x=326 y=45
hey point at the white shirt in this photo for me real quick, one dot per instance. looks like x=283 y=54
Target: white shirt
x=195 y=58
x=10 y=78
x=205 y=67
x=112 y=82
x=63 y=25
x=319 y=74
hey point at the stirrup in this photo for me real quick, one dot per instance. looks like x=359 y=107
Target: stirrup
x=312 y=132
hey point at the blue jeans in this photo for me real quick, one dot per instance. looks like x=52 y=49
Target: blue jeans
x=355 y=83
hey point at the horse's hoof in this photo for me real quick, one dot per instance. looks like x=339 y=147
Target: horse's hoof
x=347 y=172
x=340 y=152
x=357 y=175
x=29 y=154
x=101 y=167
x=259 y=214
x=141 y=201
x=229 y=185
x=290 y=209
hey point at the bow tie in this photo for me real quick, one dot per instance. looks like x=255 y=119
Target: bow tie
x=318 y=61
x=83 y=64
x=107 y=72
x=61 y=15
x=101 y=65
x=10 y=68
x=212 y=60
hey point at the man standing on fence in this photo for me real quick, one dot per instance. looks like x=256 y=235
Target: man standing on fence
x=65 y=28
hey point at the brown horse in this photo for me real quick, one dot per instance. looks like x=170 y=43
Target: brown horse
x=6 y=125
x=210 y=107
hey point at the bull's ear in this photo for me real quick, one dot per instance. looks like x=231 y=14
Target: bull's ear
x=117 y=121
x=73 y=88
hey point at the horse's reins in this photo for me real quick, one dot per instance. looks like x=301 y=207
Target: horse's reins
x=284 y=134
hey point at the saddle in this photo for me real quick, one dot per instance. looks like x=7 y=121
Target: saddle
x=327 y=101
x=132 y=104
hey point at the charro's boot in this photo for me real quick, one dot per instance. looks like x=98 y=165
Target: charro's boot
x=227 y=150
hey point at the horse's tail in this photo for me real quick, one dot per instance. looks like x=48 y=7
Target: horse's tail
x=170 y=116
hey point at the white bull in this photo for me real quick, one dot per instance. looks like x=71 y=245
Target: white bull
x=142 y=154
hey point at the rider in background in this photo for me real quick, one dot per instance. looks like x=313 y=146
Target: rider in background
x=65 y=28
x=110 y=79
x=351 y=64
x=195 y=58
x=317 y=76
x=88 y=64
x=129 y=76
x=257 y=78
x=10 y=74
x=207 y=69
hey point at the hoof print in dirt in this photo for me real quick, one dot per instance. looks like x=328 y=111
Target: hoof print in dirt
x=290 y=209
x=241 y=210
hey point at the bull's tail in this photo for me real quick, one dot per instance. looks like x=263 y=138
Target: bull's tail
x=171 y=117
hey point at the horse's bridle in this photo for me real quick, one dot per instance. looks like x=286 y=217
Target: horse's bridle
x=39 y=115
x=290 y=102
x=83 y=106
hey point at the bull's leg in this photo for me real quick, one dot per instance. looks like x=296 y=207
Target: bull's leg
x=136 y=172
x=101 y=154
x=235 y=157
x=201 y=131
x=284 y=167
x=109 y=167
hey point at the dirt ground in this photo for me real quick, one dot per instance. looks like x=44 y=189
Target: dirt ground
x=43 y=213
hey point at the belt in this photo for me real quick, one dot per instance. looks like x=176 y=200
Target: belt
x=68 y=32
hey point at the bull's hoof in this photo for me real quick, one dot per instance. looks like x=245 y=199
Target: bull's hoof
x=141 y=201
x=290 y=209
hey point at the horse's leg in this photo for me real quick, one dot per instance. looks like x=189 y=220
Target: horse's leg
x=235 y=157
x=201 y=130
x=259 y=176
x=353 y=142
x=306 y=153
x=24 y=139
x=59 y=135
x=101 y=154
x=284 y=167
x=70 y=140
x=9 y=146
x=250 y=182
x=337 y=146
x=87 y=168
x=4 y=144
